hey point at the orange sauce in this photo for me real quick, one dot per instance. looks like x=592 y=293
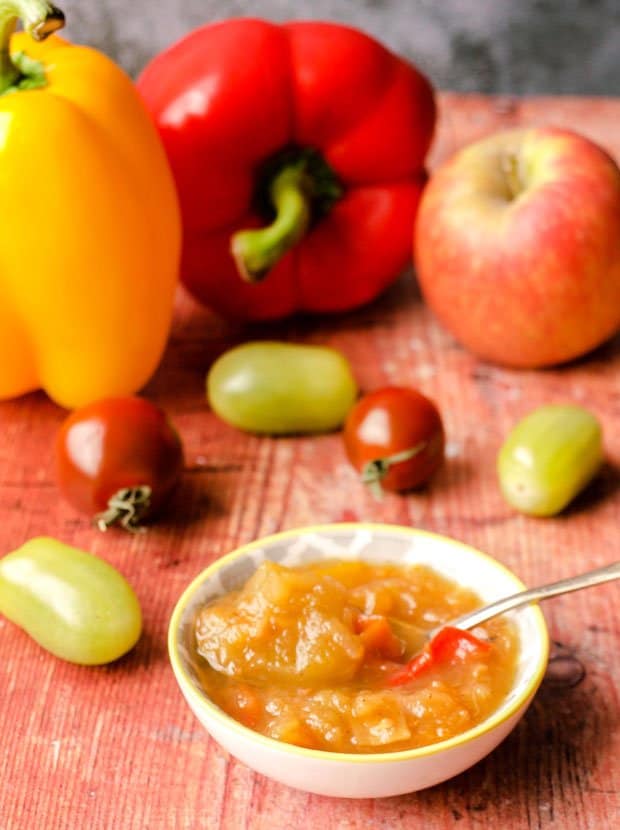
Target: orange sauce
x=304 y=655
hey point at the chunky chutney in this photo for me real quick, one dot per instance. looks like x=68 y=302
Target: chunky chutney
x=323 y=656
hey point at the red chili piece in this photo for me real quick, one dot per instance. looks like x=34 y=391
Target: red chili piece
x=449 y=645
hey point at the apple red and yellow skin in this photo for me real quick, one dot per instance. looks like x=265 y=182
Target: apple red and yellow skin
x=517 y=246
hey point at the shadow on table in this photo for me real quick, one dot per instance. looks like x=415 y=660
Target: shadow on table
x=603 y=487
x=554 y=749
x=194 y=499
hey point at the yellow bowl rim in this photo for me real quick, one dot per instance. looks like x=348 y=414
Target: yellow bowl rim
x=203 y=702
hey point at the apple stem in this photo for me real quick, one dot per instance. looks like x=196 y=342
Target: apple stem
x=512 y=171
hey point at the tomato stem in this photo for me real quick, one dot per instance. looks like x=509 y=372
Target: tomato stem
x=39 y=18
x=128 y=507
x=373 y=472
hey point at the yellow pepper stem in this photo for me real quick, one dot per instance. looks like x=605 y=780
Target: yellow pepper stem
x=39 y=18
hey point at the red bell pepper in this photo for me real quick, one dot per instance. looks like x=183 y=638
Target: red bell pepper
x=449 y=645
x=313 y=135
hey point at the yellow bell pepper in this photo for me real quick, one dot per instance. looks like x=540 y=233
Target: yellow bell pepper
x=89 y=219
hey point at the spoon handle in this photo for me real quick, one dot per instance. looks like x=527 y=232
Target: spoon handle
x=564 y=586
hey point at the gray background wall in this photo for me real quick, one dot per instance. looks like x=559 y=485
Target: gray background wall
x=506 y=46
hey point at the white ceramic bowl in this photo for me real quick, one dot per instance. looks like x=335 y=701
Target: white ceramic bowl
x=369 y=775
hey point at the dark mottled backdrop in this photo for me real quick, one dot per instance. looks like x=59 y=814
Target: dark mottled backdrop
x=518 y=46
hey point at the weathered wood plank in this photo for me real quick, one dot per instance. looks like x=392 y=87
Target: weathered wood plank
x=117 y=746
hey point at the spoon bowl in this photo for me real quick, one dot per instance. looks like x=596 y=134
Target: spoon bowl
x=552 y=589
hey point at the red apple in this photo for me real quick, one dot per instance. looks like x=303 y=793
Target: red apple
x=517 y=246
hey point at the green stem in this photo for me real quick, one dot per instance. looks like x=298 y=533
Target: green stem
x=128 y=507
x=376 y=470
x=256 y=251
x=39 y=18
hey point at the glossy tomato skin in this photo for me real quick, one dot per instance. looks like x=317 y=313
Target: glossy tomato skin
x=113 y=444
x=389 y=421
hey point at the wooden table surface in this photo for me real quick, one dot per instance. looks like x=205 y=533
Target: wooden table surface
x=117 y=747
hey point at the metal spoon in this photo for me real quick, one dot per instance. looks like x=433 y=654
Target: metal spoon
x=564 y=586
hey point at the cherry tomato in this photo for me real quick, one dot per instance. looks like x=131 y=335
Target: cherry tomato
x=118 y=459
x=394 y=436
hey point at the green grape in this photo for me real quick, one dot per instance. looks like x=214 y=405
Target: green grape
x=548 y=458
x=74 y=604
x=281 y=388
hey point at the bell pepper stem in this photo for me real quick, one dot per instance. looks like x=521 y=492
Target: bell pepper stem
x=256 y=251
x=38 y=17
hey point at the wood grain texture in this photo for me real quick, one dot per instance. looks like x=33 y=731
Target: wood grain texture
x=117 y=747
